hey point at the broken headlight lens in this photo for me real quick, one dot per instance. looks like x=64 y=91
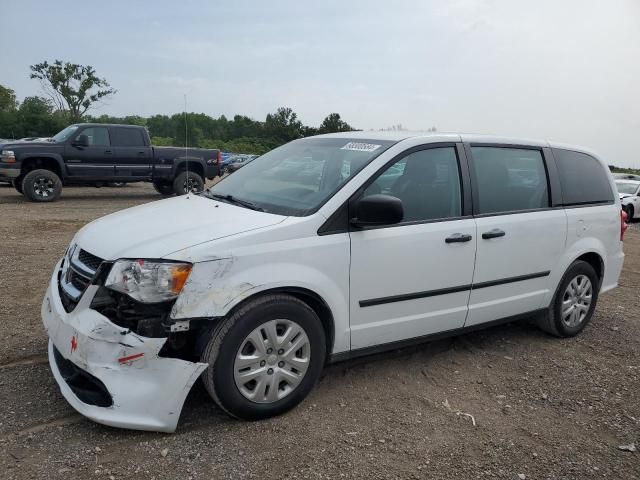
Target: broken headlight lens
x=148 y=281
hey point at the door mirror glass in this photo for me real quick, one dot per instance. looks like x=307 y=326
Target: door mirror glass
x=81 y=141
x=377 y=210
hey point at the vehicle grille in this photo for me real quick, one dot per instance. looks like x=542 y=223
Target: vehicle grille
x=89 y=260
x=77 y=271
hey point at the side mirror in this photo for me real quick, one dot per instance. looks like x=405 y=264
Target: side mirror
x=377 y=209
x=81 y=141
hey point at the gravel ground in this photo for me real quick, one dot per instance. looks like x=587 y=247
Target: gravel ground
x=542 y=407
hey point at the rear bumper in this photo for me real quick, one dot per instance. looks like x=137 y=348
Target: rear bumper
x=109 y=374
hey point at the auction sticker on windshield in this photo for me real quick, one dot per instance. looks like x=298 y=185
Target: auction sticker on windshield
x=361 y=147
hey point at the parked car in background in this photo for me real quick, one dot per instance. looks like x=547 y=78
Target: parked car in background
x=388 y=239
x=629 y=193
x=239 y=162
x=98 y=154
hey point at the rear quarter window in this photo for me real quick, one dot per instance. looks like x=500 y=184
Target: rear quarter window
x=582 y=177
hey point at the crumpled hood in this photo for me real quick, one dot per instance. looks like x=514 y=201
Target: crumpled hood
x=157 y=229
x=624 y=195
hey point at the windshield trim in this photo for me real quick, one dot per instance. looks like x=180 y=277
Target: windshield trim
x=314 y=210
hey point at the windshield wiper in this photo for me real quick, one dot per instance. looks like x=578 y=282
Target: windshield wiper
x=234 y=200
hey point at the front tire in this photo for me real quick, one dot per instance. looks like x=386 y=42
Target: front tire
x=185 y=183
x=573 y=303
x=265 y=358
x=630 y=212
x=42 y=186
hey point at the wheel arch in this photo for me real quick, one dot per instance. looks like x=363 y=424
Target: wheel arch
x=46 y=162
x=195 y=165
x=311 y=298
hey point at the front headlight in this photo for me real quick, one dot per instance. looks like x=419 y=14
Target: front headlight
x=8 y=156
x=148 y=281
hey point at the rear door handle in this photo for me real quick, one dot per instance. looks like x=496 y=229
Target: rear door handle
x=142 y=153
x=458 y=238
x=108 y=152
x=495 y=233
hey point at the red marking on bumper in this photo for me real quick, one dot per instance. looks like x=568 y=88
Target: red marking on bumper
x=130 y=357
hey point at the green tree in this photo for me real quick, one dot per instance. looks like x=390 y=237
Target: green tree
x=71 y=87
x=8 y=102
x=36 y=115
x=283 y=125
x=333 y=123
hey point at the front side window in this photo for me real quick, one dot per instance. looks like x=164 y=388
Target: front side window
x=297 y=178
x=509 y=179
x=98 y=136
x=427 y=182
x=627 y=188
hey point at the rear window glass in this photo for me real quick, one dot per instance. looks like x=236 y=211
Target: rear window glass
x=582 y=178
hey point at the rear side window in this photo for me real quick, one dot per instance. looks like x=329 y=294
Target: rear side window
x=509 y=179
x=127 y=137
x=582 y=178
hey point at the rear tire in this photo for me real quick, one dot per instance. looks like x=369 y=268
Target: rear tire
x=573 y=303
x=42 y=186
x=164 y=188
x=185 y=183
x=241 y=345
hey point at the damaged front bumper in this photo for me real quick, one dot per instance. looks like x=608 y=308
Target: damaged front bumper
x=110 y=374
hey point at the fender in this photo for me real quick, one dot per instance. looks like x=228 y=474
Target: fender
x=54 y=156
x=215 y=287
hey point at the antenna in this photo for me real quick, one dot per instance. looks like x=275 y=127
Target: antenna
x=186 y=145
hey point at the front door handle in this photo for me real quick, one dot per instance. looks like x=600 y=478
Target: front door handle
x=108 y=152
x=458 y=238
x=495 y=233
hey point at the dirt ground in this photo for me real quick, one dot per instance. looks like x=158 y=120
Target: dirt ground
x=543 y=407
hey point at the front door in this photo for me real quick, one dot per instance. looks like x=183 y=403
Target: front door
x=92 y=161
x=520 y=238
x=413 y=278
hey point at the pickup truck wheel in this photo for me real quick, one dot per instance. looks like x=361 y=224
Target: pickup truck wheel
x=17 y=183
x=41 y=186
x=184 y=183
x=573 y=303
x=163 y=188
x=265 y=358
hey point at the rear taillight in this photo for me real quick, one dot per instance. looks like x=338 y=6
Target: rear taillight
x=219 y=159
x=623 y=224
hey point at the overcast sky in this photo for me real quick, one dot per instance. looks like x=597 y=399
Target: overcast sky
x=564 y=70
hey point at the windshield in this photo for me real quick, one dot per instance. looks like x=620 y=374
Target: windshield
x=297 y=178
x=627 y=187
x=64 y=134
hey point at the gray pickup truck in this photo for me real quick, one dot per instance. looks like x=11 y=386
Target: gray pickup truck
x=97 y=154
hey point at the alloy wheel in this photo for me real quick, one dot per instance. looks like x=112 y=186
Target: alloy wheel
x=43 y=187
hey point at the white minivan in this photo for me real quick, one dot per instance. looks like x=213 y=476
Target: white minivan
x=326 y=248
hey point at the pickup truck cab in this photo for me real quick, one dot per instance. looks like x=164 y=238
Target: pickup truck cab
x=323 y=249
x=95 y=154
